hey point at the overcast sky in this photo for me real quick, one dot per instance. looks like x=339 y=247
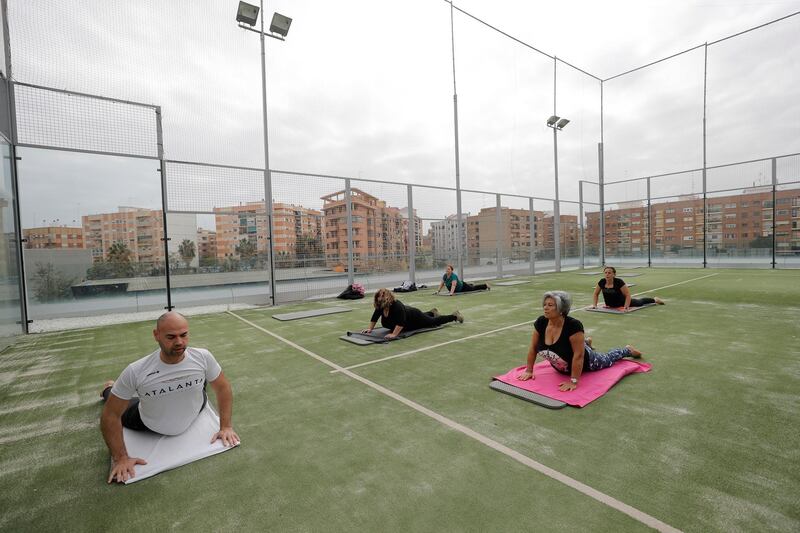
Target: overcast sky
x=365 y=89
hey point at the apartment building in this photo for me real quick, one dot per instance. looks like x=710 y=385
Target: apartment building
x=444 y=234
x=141 y=230
x=53 y=237
x=380 y=232
x=734 y=222
x=292 y=226
x=206 y=245
x=513 y=233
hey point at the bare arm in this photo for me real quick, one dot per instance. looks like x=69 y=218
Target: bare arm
x=224 y=394
x=528 y=374
x=370 y=328
x=576 y=341
x=627 y=292
x=395 y=332
x=440 y=287
x=595 y=295
x=122 y=466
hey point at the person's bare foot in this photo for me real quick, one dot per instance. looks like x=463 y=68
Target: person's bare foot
x=659 y=301
x=589 y=342
x=434 y=312
x=459 y=317
x=107 y=384
x=636 y=354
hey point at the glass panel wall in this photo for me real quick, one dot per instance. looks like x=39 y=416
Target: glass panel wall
x=10 y=312
x=787 y=253
x=93 y=230
x=589 y=235
x=570 y=235
x=217 y=229
x=436 y=246
x=483 y=235
x=676 y=219
x=626 y=223
x=516 y=235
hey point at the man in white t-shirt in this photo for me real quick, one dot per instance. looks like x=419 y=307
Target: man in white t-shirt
x=164 y=392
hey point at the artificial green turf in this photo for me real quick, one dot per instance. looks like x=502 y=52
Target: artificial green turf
x=707 y=441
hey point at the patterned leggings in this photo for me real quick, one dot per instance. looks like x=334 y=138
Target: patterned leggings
x=598 y=360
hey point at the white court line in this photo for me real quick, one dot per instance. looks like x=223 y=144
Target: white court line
x=431 y=347
x=679 y=283
x=367 y=363
x=603 y=498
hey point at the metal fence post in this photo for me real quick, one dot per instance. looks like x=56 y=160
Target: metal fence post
x=163 y=171
x=498 y=242
x=580 y=221
x=532 y=245
x=649 y=225
x=348 y=198
x=774 y=209
x=602 y=187
x=412 y=237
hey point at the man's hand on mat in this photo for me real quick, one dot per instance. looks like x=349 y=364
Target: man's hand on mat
x=567 y=386
x=525 y=376
x=227 y=435
x=122 y=470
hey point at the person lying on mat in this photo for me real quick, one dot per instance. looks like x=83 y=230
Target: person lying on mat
x=559 y=339
x=396 y=317
x=163 y=392
x=616 y=293
x=454 y=285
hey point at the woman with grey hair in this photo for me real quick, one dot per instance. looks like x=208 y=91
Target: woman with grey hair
x=559 y=339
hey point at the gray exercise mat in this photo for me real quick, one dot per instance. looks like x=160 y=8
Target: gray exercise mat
x=447 y=293
x=378 y=335
x=617 y=310
x=311 y=313
x=510 y=283
x=625 y=275
x=526 y=395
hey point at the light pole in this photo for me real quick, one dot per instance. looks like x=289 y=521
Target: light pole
x=246 y=16
x=556 y=124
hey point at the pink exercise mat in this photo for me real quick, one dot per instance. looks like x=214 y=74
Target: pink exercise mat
x=591 y=385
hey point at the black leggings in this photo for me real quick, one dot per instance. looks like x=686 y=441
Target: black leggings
x=131 y=418
x=416 y=319
x=467 y=287
x=638 y=302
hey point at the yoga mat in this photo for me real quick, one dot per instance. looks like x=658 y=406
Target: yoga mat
x=378 y=334
x=590 y=273
x=591 y=385
x=616 y=310
x=311 y=313
x=510 y=283
x=447 y=293
x=165 y=452
x=528 y=396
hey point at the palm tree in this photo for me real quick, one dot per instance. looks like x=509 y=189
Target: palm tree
x=187 y=251
x=119 y=256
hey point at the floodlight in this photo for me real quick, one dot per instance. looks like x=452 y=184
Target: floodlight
x=561 y=123
x=247 y=13
x=552 y=120
x=280 y=24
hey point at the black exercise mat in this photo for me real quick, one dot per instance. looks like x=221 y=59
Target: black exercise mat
x=378 y=335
